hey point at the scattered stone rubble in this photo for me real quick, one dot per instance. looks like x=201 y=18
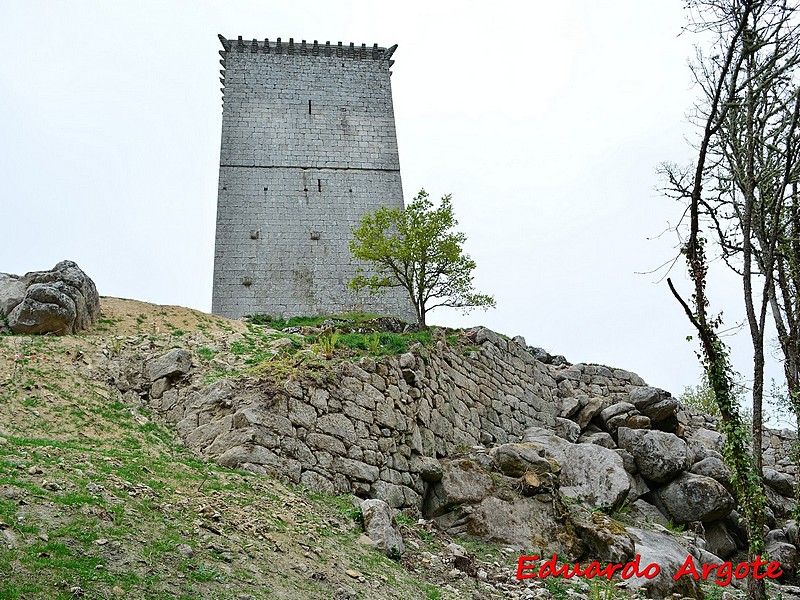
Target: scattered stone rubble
x=503 y=443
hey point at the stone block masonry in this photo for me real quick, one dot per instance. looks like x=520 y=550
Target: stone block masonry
x=373 y=428
x=379 y=427
x=308 y=147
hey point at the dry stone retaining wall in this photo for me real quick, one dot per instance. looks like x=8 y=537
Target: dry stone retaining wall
x=376 y=427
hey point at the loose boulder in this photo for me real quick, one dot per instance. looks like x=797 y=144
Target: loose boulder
x=62 y=301
x=654 y=403
x=719 y=541
x=691 y=497
x=780 y=482
x=659 y=455
x=713 y=467
x=521 y=523
x=605 y=539
x=596 y=475
x=669 y=555
x=703 y=443
x=174 y=363
x=12 y=291
x=514 y=460
x=463 y=481
x=380 y=527
x=785 y=553
x=590 y=472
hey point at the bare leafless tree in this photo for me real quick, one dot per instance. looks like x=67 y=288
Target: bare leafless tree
x=735 y=193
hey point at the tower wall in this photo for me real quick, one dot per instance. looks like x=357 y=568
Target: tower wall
x=308 y=147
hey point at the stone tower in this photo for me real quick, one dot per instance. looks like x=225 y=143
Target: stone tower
x=308 y=147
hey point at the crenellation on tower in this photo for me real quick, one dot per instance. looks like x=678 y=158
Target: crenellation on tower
x=376 y=52
x=308 y=147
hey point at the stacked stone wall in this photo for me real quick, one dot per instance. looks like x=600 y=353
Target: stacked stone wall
x=378 y=428
x=779 y=450
x=487 y=439
x=373 y=428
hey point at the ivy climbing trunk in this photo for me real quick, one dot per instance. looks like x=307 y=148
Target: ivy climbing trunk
x=735 y=22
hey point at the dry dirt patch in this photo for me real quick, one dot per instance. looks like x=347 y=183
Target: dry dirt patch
x=120 y=316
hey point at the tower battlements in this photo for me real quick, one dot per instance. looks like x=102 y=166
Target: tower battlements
x=305 y=49
x=308 y=147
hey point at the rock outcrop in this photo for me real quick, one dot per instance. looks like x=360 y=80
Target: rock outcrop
x=62 y=301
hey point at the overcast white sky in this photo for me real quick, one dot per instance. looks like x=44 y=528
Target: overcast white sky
x=545 y=120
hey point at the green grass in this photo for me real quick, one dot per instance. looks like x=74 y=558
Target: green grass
x=279 y=323
x=387 y=343
x=480 y=549
x=557 y=589
x=403 y=519
x=675 y=528
x=68 y=555
x=149 y=489
x=432 y=592
x=260 y=357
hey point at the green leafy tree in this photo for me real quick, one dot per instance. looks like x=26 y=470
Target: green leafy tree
x=700 y=397
x=416 y=248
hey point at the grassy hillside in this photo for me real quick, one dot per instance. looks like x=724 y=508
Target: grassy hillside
x=99 y=500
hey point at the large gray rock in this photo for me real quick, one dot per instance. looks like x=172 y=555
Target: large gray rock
x=380 y=527
x=567 y=429
x=523 y=523
x=428 y=467
x=618 y=414
x=719 y=540
x=174 y=363
x=692 y=497
x=463 y=481
x=653 y=402
x=588 y=412
x=616 y=410
x=703 y=443
x=601 y=438
x=12 y=291
x=792 y=533
x=659 y=455
x=606 y=539
x=669 y=555
x=590 y=472
x=783 y=552
x=514 y=460
x=596 y=475
x=713 y=467
x=645 y=512
x=63 y=300
x=780 y=482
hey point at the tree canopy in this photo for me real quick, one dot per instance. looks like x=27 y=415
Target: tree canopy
x=417 y=248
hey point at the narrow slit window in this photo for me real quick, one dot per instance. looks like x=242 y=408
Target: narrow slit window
x=319 y=185
x=309 y=107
